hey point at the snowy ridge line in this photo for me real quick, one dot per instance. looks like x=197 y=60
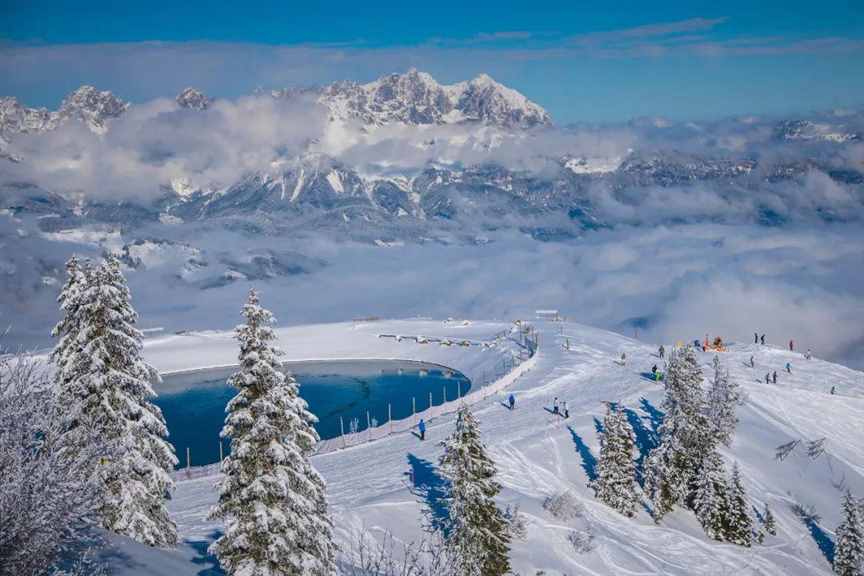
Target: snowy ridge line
x=387 y=429
x=406 y=424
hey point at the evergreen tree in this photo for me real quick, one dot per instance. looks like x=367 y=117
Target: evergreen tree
x=685 y=435
x=104 y=387
x=740 y=526
x=723 y=397
x=478 y=538
x=68 y=329
x=615 y=484
x=711 y=497
x=272 y=499
x=849 y=550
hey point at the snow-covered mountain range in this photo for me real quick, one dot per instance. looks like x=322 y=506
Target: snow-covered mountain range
x=400 y=161
x=415 y=98
x=86 y=104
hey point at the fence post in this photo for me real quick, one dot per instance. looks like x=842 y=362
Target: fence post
x=430 y=404
x=390 y=417
x=369 y=426
x=445 y=395
x=188 y=460
x=413 y=408
x=342 y=430
x=459 y=389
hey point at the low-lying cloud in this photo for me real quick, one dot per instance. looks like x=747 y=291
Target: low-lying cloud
x=664 y=284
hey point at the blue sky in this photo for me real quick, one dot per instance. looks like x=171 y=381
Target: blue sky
x=597 y=62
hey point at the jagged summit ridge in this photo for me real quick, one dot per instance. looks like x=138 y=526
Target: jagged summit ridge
x=92 y=107
x=416 y=98
x=193 y=99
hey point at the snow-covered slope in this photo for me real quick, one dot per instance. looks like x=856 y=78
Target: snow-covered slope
x=539 y=455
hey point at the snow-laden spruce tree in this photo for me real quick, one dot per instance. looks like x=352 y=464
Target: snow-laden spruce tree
x=711 y=497
x=740 y=524
x=723 y=398
x=104 y=388
x=68 y=329
x=685 y=434
x=272 y=499
x=478 y=537
x=849 y=549
x=616 y=472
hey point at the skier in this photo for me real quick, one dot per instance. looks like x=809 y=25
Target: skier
x=512 y=401
x=788 y=367
x=421 y=426
x=774 y=377
x=755 y=337
x=763 y=339
x=832 y=390
x=768 y=378
x=791 y=345
x=752 y=362
x=555 y=406
x=565 y=409
x=623 y=358
x=654 y=370
x=662 y=351
x=809 y=354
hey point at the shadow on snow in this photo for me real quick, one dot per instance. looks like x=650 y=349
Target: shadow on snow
x=589 y=463
x=433 y=488
x=810 y=519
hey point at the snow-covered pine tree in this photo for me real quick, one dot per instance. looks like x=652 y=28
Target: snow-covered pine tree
x=723 y=397
x=272 y=499
x=849 y=549
x=478 y=537
x=616 y=484
x=685 y=435
x=740 y=525
x=68 y=329
x=711 y=497
x=104 y=388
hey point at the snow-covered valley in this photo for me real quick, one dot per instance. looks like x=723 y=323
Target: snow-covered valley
x=389 y=485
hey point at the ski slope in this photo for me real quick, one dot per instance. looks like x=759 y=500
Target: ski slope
x=393 y=484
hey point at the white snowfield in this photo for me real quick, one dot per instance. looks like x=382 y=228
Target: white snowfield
x=393 y=484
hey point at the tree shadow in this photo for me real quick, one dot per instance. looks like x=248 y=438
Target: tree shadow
x=598 y=425
x=203 y=557
x=589 y=463
x=654 y=414
x=646 y=440
x=434 y=489
x=811 y=519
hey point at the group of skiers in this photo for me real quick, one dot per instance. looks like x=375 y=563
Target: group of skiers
x=559 y=408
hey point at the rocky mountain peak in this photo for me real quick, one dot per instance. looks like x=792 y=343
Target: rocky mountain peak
x=93 y=107
x=416 y=98
x=193 y=99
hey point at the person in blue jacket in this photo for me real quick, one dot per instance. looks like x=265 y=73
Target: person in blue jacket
x=512 y=401
x=422 y=428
